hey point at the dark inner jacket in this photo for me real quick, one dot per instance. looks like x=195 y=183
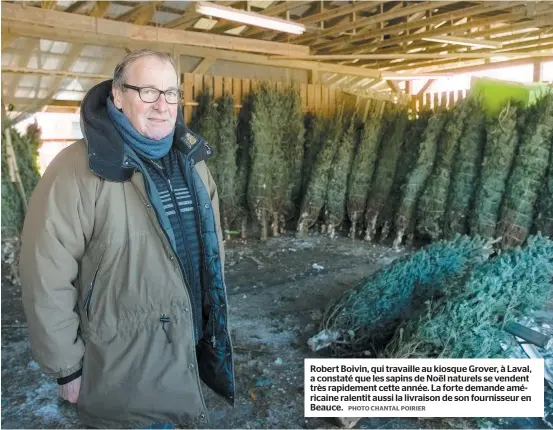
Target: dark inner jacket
x=110 y=158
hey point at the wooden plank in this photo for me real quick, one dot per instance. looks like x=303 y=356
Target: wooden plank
x=460 y=95
x=105 y=27
x=227 y=85
x=303 y=96
x=198 y=86
x=217 y=87
x=318 y=97
x=331 y=101
x=436 y=101
x=208 y=82
x=451 y=101
x=254 y=85
x=246 y=88
x=311 y=97
x=443 y=99
x=237 y=91
x=325 y=100
x=427 y=100
x=188 y=96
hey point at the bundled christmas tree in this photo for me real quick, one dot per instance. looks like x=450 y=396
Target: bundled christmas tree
x=468 y=321
x=225 y=161
x=314 y=198
x=364 y=317
x=20 y=174
x=314 y=129
x=292 y=142
x=335 y=205
x=243 y=160
x=204 y=122
x=406 y=163
x=265 y=169
x=544 y=219
x=501 y=145
x=362 y=169
x=432 y=205
x=465 y=170
x=392 y=139
x=417 y=178
x=529 y=170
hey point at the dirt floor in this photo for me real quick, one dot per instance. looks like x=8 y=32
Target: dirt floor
x=277 y=292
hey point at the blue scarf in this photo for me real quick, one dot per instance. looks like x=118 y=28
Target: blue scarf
x=144 y=146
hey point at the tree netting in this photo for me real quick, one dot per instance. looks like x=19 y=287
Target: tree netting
x=501 y=145
x=362 y=169
x=406 y=163
x=544 y=219
x=225 y=161
x=465 y=170
x=468 y=321
x=26 y=156
x=335 y=205
x=392 y=139
x=314 y=198
x=364 y=318
x=432 y=204
x=417 y=178
x=527 y=177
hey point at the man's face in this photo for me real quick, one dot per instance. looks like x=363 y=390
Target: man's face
x=153 y=120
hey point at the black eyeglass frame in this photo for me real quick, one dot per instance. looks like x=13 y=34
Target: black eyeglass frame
x=139 y=89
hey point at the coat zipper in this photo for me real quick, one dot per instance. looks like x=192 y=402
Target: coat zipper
x=213 y=339
x=189 y=263
x=88 y=298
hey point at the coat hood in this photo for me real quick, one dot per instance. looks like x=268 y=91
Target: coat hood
x=107 y=150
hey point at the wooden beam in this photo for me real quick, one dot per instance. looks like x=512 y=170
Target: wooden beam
x=204 y=66
x=386 y=16
x=338 y=11
x=99 y=9
x=141 y=14
x=457 y=55
x=22 y=102
x=76 y=7
x=7 y=39
x=98 y=27
x=314 y=77
x=417 y=24
x=425 y=87
x=49 y=72
x=394 y=86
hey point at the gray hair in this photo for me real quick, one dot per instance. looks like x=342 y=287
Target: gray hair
x=119 y=74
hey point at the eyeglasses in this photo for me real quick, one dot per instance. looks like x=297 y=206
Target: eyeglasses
x=151 y=95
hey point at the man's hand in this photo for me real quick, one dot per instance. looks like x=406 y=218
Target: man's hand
x=70 y=391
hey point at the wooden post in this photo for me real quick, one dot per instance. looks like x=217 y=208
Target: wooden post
x=537 y=70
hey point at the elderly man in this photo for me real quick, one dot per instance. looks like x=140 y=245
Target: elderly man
x=122 y=259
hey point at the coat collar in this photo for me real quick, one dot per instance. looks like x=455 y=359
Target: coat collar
x=106 y=148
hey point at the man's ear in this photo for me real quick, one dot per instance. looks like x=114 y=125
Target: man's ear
x=117 y=97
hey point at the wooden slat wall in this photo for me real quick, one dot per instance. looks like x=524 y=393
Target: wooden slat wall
x=321 y=99
x=434 y=100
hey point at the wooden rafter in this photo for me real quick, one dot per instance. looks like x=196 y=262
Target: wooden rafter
x=274 y=11
x=376 y=19
x=141 y=14
x=204 y=65
x=334 y=46
x=99 y=9
x=76 y=7
x=97 y=28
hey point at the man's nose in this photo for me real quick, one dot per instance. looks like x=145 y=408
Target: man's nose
x=161 y=104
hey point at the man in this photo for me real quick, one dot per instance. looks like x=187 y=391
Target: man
x=122 y=259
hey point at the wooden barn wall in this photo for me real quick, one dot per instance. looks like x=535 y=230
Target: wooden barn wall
x=321 y=99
